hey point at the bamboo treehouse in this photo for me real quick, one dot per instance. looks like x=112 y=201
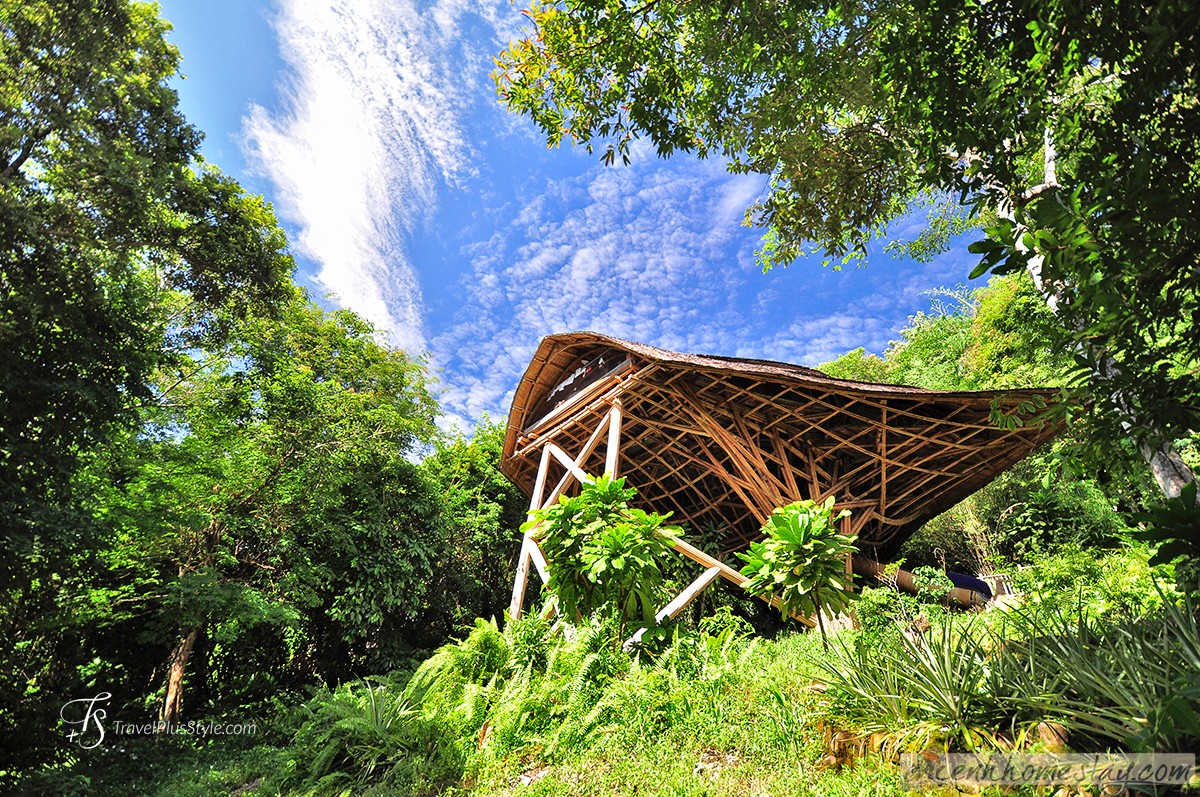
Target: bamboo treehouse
x=723 y=441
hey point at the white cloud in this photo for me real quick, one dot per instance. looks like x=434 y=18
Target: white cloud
x=655 y=253
x=370 y=129
x=652 y=253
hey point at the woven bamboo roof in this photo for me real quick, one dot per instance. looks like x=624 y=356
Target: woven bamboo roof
x=721 y=441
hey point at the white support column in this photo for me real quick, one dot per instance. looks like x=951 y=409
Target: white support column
x=538 y=559
x=672 y=609
x=613 y=450
x=519 y=583
x=567 y=463
x=521 y=580
x=530 y=553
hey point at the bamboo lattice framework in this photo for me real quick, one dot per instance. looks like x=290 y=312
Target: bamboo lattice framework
x=722 y=441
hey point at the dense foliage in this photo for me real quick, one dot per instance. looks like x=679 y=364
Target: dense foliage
x=481 y=512
x=120 y=249
x=208 y=494
x=604 y=556
x=264 y=529
x=560 y=710
x=989 y=339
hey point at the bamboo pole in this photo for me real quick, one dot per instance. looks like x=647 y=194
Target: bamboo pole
x=904 y=579
x=681 y=601
x=789 y=474
x=529 y=441
x=883 y=462
x=613 y=450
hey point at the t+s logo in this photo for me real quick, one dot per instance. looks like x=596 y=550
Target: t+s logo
x=85 y=719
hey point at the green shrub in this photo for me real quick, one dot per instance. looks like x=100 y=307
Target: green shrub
x=1075 y=581
x=933 y=585
x=1131 y=683
x=529 y=637
x=802 y=561
x=931 y=691
x=883 y=612
x=1070 y=513
x=603 y=554
x=1173 y=527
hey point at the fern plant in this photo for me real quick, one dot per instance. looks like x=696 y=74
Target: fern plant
x=802 y=561
x=355 y=733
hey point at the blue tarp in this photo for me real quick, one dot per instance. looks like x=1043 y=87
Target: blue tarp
x=970 y=582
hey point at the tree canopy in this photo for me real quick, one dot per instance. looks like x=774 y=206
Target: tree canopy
x=1072 y=127
x=120 y=247
x=208 y=490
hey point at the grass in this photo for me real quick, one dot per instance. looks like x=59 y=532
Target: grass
x=714 y=711
x=666 y=770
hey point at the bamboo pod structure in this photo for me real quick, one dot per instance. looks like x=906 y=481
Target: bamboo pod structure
x=721 y=441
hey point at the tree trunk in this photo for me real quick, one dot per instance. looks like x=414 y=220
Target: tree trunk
x=1170 y=472
x=176 y=667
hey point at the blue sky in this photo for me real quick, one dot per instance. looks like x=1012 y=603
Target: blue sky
x=410 y=196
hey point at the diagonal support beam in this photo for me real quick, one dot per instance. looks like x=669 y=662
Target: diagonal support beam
x=530 y=552
x=521 y=579
x=672 y=609
x=589 y=447
x=539 y=485
x=728 y=573
x=565 y=460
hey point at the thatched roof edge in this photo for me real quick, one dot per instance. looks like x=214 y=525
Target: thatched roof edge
x=549 y=363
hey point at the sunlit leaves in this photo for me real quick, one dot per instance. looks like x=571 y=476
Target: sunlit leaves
x=802 y=560
x=603 y=554
x=109 y=220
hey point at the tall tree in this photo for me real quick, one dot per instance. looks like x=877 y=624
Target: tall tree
x=274 y=486
x=120 y=252
x=1073 y=126
x=119 y=247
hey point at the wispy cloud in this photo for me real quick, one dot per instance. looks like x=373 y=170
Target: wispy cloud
x=370 y=129
x=652 y=253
